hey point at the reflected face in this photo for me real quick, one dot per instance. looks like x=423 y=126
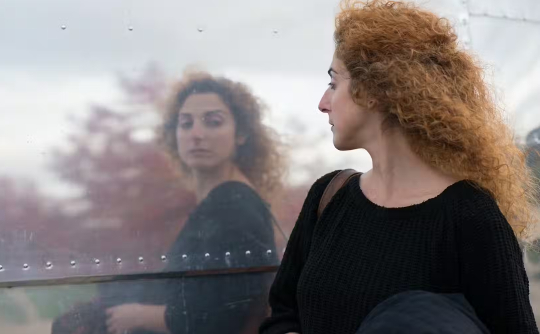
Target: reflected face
x=206 y=132
x=347 y=119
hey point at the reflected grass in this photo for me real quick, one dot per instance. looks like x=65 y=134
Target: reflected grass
x=25 y=305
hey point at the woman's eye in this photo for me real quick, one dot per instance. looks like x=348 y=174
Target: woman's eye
x=185 y=125
x=213 y=121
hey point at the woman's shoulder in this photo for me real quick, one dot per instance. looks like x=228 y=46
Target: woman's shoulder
x=318 y=187
x=473 y=205
x=234 y=194
x=323 y=181
x=471 y=197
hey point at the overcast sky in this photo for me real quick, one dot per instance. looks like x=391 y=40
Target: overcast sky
x=282 y=48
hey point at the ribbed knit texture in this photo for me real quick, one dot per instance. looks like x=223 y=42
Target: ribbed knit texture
x=337 y=269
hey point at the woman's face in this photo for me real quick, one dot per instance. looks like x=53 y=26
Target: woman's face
x=351 y=124
x=206 y=132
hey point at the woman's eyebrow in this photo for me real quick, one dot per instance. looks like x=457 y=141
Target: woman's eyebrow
x=330 y=71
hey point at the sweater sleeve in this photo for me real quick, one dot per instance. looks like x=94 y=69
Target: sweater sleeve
x=284 y=317
x=492 y=272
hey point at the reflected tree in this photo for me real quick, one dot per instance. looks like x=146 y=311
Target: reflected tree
x=131 y=198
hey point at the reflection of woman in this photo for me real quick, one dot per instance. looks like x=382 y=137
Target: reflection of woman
x=214 y=130
x=424 y=242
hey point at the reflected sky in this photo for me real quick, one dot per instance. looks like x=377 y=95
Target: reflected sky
x=281 y=49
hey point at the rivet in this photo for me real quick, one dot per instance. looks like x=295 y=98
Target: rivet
x=26 y=266
x=248 y=253
x=118 y=260
x=141 y=259
x=228 y=254
x=184 y=256
x=73 y=263
x=96 y=261
x=48 y=264
x=163 y=258
x=207 y=255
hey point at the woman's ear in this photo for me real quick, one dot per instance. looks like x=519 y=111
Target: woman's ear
x=372 y=104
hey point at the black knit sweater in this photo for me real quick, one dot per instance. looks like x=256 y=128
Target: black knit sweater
x=337 y=269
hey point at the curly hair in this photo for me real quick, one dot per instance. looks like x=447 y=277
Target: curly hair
x=410 y=61
x=259 y=158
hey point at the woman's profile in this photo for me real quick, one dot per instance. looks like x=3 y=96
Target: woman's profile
x=427 y=240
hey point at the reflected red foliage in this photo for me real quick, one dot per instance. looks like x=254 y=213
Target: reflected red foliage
x=129 y=201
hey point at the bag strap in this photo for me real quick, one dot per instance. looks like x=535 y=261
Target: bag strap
x=333 y=187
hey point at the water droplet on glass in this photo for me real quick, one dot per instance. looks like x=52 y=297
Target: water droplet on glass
x=26 y=266
x=96 y=261
x=228 y=254
x=163 y=258
x=275 y=31
x=119 y=260
x=73 y=263
x=248 y=253
x=269 y=252
x=48 y=264
x=63 y=27
x=141 y=259
x=206 y=255
x=200 y=29
x=184 y=256
x=130 y=28
x=1 y=268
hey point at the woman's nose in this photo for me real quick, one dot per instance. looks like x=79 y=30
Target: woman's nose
x=324 y=104
x=197 y=131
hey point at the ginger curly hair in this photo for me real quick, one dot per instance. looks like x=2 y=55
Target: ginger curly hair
x=259 y=158
x=410 y=61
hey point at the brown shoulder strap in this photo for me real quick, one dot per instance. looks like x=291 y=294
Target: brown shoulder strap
x=333 y=187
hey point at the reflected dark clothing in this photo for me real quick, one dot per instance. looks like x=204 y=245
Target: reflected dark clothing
x=339 y=268
x=234 y=219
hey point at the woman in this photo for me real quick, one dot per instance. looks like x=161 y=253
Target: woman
x=424 y=242
x=214 y=131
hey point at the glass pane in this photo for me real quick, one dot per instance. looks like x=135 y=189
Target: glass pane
x=206 y=304
x=89 y=192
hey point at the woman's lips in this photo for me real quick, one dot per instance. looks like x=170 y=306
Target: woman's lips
x=198 y=151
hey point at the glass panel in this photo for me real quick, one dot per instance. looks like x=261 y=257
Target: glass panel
x=206 y=304
x=506 y=9
x=87 y=190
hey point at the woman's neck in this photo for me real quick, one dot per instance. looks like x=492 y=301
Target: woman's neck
x=399 y=175
x=206 y=180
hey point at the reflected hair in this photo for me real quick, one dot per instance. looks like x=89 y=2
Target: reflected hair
x=409 y=60
x=259 y=158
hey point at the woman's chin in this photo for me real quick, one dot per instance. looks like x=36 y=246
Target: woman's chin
x=343 y=146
